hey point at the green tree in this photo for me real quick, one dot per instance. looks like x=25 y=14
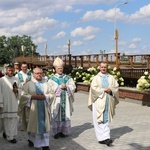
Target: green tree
x=11 y=47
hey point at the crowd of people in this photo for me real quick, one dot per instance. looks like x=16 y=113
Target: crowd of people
x=39 y=102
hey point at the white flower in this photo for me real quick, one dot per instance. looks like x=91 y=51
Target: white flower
x=142 y=77
x=122 y=83
x=146 y=73
x=118 y=73
x=114 y=69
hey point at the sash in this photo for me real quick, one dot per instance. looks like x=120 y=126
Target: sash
x=20 y=76
x=40 y=109
x=59 y=80
x=105 y=84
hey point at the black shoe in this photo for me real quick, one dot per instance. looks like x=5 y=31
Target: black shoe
x=13 y=141
x=108 y=142
x=46 y=148
x=4 y=135
x=30 y=144
x=62 y=135
x=56 y=136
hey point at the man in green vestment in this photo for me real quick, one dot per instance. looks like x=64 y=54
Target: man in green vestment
x=62 y=106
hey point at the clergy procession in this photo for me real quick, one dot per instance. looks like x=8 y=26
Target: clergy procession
x=43 y=107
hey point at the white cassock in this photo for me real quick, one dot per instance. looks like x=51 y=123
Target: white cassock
x=9 y=103
x=103 y=104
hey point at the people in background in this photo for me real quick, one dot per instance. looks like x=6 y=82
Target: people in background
x=24 y=75
x=103 y=98
x=44 y=77
x=16 y=67
x=34 y=108
x=62 y=106
x=10 y=90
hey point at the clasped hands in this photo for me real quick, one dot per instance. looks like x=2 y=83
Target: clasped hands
x=63 y=86
x=38 y=97
x=107 y=90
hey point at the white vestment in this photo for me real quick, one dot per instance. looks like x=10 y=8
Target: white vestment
x=103 y=104
x=62 y=106
x=9 y=103
x=24 y=76
x=31 y=110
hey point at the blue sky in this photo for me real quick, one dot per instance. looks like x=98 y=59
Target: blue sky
x=89 y=24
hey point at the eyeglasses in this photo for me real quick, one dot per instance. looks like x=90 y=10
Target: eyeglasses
x=38 y=72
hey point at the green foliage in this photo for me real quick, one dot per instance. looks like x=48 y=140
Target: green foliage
x=11 y=47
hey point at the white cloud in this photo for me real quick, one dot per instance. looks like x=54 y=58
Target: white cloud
x=68 y=8
x=81 y=32
x=88 y=38
x=122 y=43
x=40 y=40
x=132 y=46
x=109 y=15
x=136 y=40
x=78 y=11
x=59 y=35
x=142 y=16
x=77 y=43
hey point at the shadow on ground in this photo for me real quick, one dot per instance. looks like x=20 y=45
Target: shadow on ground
x=139 y=147
x=118 y=132
x=68 y=143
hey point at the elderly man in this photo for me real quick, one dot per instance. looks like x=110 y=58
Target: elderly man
x=34 y=108
x=103 y=97
x=10 y=89
x=62 y=106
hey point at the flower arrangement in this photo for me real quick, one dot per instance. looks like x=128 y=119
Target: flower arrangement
x=76 y=74
x=50 y=73
x=143 y=83
x=80 y=75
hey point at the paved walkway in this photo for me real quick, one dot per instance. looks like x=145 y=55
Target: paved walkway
x=130 y=129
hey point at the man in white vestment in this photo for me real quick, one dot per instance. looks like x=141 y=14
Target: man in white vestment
x=24 y=76
x=10 y=89
x=103 y=98
x=62 y=106
x=34 y=108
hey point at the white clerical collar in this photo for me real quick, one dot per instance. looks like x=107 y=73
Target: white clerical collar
x=35 y=81
x=102 y=74
x=59 y=75
x=23 y=72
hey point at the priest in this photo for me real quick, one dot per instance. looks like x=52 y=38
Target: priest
x=34 y=108
x=62 y=106
x=10 y=90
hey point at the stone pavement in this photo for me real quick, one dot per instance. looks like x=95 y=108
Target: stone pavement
x=130 y=129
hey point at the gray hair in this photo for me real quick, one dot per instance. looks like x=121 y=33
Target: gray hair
x=37 y=68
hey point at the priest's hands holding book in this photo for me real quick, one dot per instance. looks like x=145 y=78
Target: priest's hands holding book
x=15 y=88
x=1 y=109
x=38 y=97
